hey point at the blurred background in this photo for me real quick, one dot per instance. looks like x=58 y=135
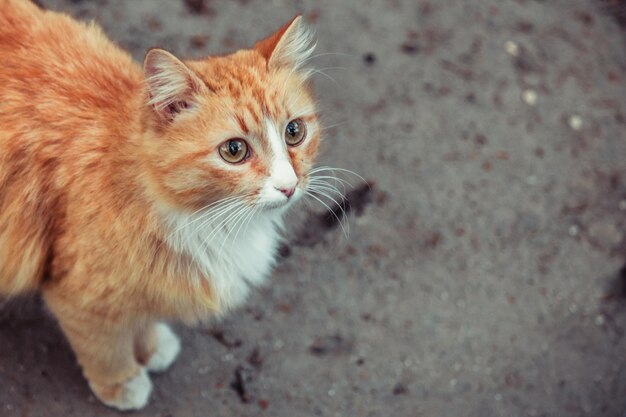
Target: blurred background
x=480 y=275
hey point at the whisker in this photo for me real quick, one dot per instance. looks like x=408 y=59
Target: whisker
x=238 y=221
x=207 y=207
x=337 y=180
x=339 y=206
x=325 y=128
x=228 y=217
x=216 y=211
x=331 y=169
x=329 y=53
x=328 y=187
x=330 y=210
x=247 y=223
x=316 y=71
x=232 y=210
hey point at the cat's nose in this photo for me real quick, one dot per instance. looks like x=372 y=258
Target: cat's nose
x=288 y=191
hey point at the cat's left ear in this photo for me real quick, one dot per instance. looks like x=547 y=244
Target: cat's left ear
x=290 y=46
x=172 y=85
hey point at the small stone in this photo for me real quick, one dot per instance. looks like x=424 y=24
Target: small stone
x=622 y=205
x=573 y=230
x=369 y=58
x=453 y=382
x=399 y=389
x=409 y=48
x=331 y=392
x=599 y=320
x=511 y=48
x=575 y=122
x=529 y=97
x=497 y=397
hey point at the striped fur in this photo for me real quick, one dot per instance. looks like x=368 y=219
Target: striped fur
x=114 y=200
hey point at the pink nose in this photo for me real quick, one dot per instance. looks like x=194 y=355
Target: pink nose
x=288 y=192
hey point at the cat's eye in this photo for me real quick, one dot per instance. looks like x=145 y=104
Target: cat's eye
x=234 y=151
x=295 y=132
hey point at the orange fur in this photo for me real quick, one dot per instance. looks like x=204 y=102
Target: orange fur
x=88 y=168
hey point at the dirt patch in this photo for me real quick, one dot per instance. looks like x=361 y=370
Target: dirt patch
x=200 y=7
x=318 y=224
x=331 y=345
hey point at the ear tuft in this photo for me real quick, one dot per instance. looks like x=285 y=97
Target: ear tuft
x=290 y=46
x=171 y=84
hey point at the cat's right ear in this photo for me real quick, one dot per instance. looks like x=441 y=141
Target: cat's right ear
x=172 y=85
x=291 y=46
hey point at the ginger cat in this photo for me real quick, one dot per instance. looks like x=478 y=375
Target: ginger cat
x=130 y=195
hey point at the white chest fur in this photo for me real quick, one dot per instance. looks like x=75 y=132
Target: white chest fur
x=233 y=258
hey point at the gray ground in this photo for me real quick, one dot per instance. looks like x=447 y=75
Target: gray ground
x=481 y=274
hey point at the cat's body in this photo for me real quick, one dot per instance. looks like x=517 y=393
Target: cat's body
x=114 y=201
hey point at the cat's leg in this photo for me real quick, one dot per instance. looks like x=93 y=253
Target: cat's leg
x=104 y=346
x=156 y=346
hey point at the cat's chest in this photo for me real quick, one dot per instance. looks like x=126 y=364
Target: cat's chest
x=234 y=261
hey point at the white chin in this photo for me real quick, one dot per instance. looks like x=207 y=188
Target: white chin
x=276 y=205
x=279 y=205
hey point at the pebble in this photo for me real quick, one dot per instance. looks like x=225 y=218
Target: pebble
x=529 y=97
x=511 y=48
x=497 y=397
x=622 y=205
x=573 y=230
x=575 y=122
x=599 y=320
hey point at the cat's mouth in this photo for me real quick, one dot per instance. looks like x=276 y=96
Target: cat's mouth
x=276 y=205
x=279 y=204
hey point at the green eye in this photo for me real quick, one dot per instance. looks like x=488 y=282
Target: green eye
x=234 y=151
x=295 y=132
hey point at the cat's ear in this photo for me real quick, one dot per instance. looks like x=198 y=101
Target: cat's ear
x=290 y=46
x=172 y=85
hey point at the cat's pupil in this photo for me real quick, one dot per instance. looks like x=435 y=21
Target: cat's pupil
x=292 y=129
x=234 y=147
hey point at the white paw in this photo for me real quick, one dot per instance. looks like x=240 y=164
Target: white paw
x=168 y=347
x=135 y=393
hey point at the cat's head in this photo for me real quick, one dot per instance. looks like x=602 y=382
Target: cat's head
x=242 y=125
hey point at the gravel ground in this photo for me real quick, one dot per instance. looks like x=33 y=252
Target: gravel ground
x=481 y=273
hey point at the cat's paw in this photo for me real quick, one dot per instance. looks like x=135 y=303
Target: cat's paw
x=130 y=395
x=167 y=349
